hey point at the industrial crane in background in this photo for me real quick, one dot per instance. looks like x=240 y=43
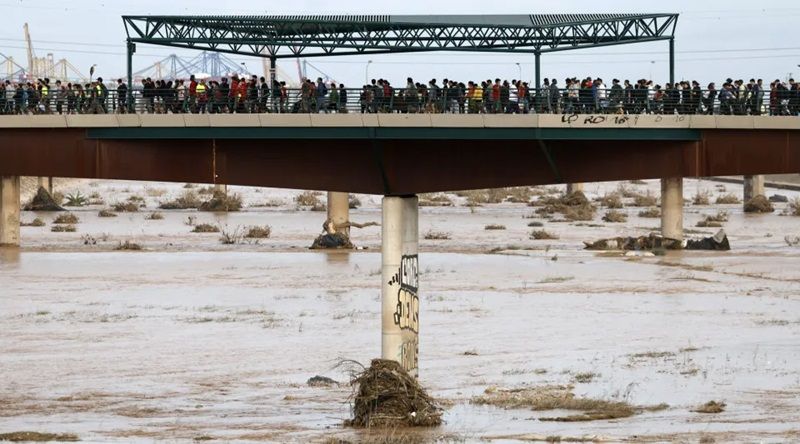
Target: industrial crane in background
x=38 y=67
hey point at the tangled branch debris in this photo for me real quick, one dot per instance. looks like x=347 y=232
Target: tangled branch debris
x=387 y=396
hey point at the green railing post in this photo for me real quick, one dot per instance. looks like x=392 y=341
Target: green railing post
x=131 y=49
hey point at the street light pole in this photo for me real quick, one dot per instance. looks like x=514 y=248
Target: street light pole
x=520 y=71
x=366 y=73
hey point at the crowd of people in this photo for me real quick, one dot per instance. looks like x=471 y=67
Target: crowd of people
x=258 y=95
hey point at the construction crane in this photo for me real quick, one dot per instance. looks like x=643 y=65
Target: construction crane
x=10 y=69
x=41 y=67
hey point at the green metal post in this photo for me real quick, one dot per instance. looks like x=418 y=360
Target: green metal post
x=538 y=70
x=131 y=49
x=672 y=61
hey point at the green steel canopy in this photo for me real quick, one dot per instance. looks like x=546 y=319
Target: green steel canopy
x=326 y=35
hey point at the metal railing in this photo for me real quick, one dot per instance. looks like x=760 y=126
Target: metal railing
x=456 y=101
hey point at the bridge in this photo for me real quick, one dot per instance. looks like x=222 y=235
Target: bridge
x=395 y=155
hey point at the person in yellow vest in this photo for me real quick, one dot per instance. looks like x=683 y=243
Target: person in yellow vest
x=44 y=91
x=202 y=96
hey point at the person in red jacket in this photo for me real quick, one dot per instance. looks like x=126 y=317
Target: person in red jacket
x=232 y=102
x=241 y=95
x=192 y=93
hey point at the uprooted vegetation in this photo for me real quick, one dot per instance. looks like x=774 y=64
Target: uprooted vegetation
x=476 y=198
x=37 y=222
x=574 y=206
x=63 y=229
x=560 y=397
x=231 y=237
x=37 y=437
x=758 y=204
x=543 y=235
x=205 y=228
x=614 y=216
x=645 y=200
x=126 y=207
x=650 y=213
x=713 y=220
x=702 y=198
x=155 y=215
x=794 y=207
x=106 y=213
x=222 y=202
x=308 y=199
x=435 y=200
x=386 y=396
x=494 y=227
x=259 y=232
x=128 y=246
x=728 y=199
x=187 y=200
x=612 y=201
x=66 y=219
x=711 y=407
x=437 y=235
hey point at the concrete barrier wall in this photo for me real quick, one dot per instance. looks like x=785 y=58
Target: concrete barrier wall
x=576 y=121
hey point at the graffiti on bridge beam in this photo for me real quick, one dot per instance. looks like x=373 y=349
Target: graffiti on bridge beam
x=617 y=119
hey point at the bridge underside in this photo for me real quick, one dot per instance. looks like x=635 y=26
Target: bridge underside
x=399 y=165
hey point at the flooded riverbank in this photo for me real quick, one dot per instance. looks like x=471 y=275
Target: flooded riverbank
x=191 y=339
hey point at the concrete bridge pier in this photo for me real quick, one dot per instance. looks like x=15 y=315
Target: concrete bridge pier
x=400 y=287
x=9 y=210
x=573 y=187
x=672 y=208
x=753 y=186
x=221 y=188
x=339 y=211
x=46 y=183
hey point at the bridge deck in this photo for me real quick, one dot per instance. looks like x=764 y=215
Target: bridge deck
x=396 y=154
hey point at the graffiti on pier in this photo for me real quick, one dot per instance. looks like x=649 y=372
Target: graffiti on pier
x=406 y=314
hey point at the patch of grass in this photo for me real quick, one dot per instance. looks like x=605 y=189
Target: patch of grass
x=585 y=377
x=189 y=186
x=136 y=199
x=58 y=197
x=128 y=246
x=319 y=207
x=535 y=224
x=259 y=232
x=714 y=220
x=612 y=200
x=728 y=199
x=711 y=407
x=155 y=192
x=308 y=199
x=205 y=228
x=76 y=200
x=557 y=398
x=64 y=229
x=650 y=213
x=37 y=437
x=37 y=222
x=187 y=200
x=66 y=218
x=615 y=216
x=155 y=215
x=126 y=207
x=543 y=235
x=758 y=204
x=645 y=200
x=494 y=227
x=106 y=213
x=206 y=191
x=437 y=235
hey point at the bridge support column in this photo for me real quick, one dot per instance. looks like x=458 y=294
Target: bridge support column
x=220 y=188
x=400 y=286
x=339 y=211
x=753 y=186
x=573 y=187
x=9 y=210
x=672 y=208
x=47 y=184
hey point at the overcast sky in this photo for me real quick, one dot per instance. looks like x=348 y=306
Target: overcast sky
x=714 y=39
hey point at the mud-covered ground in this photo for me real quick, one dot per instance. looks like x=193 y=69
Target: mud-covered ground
x=190 y=339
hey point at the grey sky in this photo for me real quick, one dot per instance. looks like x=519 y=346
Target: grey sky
x=714 y=39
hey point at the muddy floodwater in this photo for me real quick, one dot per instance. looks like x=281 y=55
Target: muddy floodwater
x=192 y=340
